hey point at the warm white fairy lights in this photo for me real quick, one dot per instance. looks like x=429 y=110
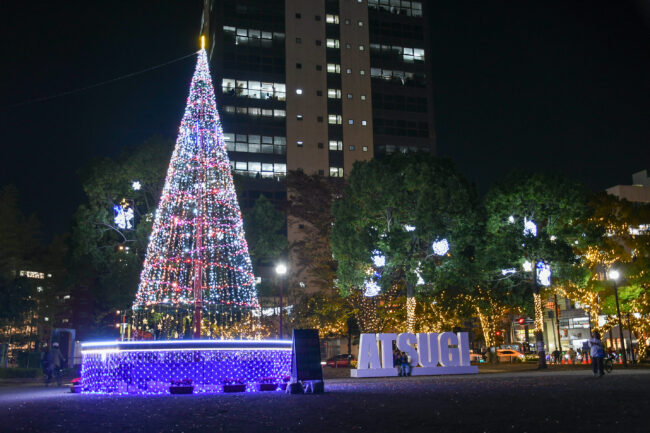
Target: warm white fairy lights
x=198 y=225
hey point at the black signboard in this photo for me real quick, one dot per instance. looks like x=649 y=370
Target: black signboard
x=305 y=357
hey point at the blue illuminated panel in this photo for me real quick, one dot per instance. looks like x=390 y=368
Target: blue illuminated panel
x=151 y=367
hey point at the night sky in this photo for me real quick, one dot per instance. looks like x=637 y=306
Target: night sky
x=560 y=86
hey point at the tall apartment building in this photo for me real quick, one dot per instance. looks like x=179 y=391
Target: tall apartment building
x=315 y=85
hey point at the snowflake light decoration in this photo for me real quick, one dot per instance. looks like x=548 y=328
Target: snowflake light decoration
x=440 y=247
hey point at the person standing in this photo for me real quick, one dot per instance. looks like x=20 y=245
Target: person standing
x=556 y=356
x=55 y=361
x=405 y=364
x=597 y=353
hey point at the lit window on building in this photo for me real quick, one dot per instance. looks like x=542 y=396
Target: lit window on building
x=405 y=54
x=334 y=93
x=333 y=68
x=332 y=19
x=399 y=77
x=397 y=7
x=336 y=171
x=242 y=36
x=253 y=89
x=333 y=43
x=262 y=169
x=335 y=145
x=33 y=274
x=334 y=119
x=253 y=143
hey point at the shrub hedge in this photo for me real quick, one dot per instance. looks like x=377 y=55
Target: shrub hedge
x=14 y=373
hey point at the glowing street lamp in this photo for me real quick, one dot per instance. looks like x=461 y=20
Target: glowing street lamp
x=281 y=270
x=614 y=276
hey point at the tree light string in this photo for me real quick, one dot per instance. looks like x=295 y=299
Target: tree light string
x=198 y=199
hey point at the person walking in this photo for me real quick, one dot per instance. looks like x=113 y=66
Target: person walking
x=55 y=361
x=597 y=353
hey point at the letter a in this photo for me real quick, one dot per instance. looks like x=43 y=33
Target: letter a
x=368 y=352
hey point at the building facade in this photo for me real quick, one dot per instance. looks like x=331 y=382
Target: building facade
x=638 y=192
x=315 y=85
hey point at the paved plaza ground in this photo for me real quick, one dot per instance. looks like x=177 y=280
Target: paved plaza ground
x=497 y=400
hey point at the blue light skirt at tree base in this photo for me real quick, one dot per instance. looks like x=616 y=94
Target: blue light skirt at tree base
x=152 y=367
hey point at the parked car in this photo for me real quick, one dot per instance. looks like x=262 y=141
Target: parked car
x=342 y=360
x=476 y=357
x=509 y=355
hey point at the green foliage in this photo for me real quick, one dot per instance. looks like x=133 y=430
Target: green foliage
x=556 y=205
x=15 y=299
x=19 y=234
x=382 y=199
x=104 y=256
x=310 y=205
x=20 y=373
x=29 y=359
x=264 y=226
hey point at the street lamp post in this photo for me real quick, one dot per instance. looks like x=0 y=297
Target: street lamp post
x=613 y=275
x=629 y=326
x=281 y=269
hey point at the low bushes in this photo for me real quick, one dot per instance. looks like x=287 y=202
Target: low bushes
x=15 y=373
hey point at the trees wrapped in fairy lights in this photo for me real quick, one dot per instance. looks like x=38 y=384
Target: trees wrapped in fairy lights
x=197 y=267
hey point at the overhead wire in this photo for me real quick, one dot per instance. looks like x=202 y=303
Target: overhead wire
x=101 y=83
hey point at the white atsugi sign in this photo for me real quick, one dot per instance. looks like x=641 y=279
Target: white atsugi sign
x=430 y=354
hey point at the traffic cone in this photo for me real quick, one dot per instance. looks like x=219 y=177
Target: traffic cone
x=563 y=361
x=584 y=359
x=620 y=360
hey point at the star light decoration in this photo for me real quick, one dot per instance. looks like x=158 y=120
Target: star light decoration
x=136 y=185
x=198 y=230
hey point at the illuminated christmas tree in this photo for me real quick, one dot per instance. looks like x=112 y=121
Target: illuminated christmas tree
x=197 y=272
